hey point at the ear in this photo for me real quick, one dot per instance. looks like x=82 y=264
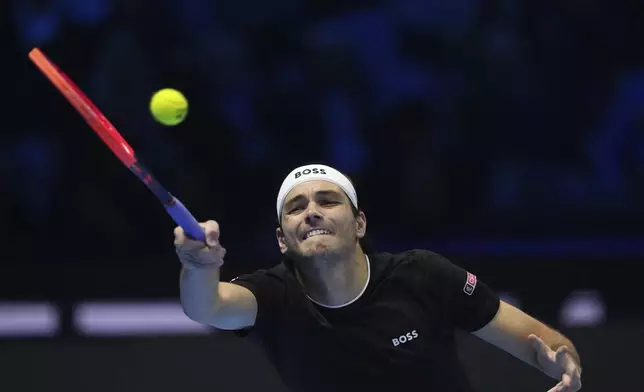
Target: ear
x=281 y=240
x=361 y=225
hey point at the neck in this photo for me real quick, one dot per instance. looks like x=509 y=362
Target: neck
x=334 y=282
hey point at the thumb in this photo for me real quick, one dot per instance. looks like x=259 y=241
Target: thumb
x=539 y=346
x=537 y=343
x=211 y=230
x=212 y=238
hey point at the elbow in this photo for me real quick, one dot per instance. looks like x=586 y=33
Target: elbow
x=211 y=319
x=199 y=314
x=193 y=314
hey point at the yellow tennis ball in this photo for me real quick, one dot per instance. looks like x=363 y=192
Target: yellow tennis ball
x=169 y=106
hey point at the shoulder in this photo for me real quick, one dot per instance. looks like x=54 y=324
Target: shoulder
x=416 y=264
x=412 y=259
x=422 y=266
x=278 y=272
x=264 y=280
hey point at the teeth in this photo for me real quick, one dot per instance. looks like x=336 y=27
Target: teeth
x=316 y=232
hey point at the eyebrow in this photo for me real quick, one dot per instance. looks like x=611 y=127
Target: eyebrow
x=317 y=194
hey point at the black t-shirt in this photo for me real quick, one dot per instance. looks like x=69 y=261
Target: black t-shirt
x=398 y=334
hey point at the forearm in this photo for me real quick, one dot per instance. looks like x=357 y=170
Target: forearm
x=510 y=330
x=199 y=287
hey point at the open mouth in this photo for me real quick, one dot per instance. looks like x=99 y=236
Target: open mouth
x=316 y=232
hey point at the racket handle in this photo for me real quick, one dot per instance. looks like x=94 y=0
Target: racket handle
x=184 y=218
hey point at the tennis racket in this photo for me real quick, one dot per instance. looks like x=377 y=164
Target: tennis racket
x=113 y=139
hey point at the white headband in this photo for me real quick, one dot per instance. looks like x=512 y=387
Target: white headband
x=311 y=173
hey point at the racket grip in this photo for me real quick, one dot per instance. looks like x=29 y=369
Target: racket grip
x=184 y=218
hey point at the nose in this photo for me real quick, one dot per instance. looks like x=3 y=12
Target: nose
x=312 y=214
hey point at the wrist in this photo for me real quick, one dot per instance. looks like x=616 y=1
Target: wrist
x=193 y=265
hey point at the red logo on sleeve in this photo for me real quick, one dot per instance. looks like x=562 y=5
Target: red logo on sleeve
x=470 y=284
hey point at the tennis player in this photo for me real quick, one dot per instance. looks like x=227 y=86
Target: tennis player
x=333 y=317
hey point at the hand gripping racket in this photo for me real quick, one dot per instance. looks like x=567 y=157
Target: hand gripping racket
x=106 y=131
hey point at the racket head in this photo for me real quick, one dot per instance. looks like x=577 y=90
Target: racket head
x=92 y=115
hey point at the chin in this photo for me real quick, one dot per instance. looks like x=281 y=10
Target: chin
x=316 y=249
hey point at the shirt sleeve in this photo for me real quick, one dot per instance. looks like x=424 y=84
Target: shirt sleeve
x=270 y=293
x=469 y=302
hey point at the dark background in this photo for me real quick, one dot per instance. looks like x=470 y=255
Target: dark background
x=225 y=363
x=506 y=135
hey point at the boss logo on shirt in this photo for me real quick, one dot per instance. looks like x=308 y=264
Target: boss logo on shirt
x=304 y=172
x=470 y=284
x=402 y=339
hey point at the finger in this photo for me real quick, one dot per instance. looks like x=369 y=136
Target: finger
x=198 y=253
x=575 y=379
x=567 y=389
x=566 y=380
x=556 y=388
x=536 y=341
x=184 y=243
x=571 y=378
x=562 y=350
x=179 y=235
x=540 y=346
x=181 y=239
x=565 y=360
x=211 y=232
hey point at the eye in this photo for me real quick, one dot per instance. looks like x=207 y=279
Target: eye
x=329 y=203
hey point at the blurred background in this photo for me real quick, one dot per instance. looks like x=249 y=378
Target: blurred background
x=505 y=135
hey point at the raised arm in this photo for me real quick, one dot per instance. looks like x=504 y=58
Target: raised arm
x=203 y=297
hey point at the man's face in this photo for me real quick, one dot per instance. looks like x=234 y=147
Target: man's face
x=317 y=220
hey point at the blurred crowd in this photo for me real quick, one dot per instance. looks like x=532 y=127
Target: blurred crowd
x=453 y=117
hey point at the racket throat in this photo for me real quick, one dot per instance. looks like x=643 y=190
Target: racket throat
x=148 y=179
